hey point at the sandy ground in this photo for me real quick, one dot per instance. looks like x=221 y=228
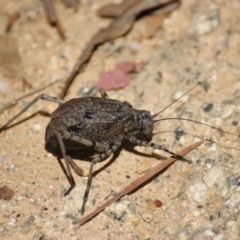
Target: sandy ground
x=201 y=200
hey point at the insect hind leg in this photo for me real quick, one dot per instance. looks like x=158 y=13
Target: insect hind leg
x=157 y=146
x=42 y=97
x=67 y=163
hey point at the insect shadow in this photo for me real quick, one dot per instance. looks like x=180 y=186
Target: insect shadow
x=96 y=123
x=87 y=154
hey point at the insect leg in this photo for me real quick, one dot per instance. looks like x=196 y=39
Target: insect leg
x=75 y=167
x=99 y=147
x=93 y=162
x=67 y=162
x=103 y=93
x=156 y=146
x=42 y=97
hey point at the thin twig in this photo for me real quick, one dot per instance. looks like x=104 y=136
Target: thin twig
x=12 y=18
x=148 y=175
x=52 y=17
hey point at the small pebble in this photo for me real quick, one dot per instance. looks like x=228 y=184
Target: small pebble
x=206 y=23
x=209 y=232
x=87 y=91
x=150 y=205
x=28 y=194
x=123 y=211
x=36 y=127
x=33 y=200
x=12 y=222
x=142 y=166
x=28 y=224
x=147 y=217
x=158 y=203
x=6 y=193
x=197 y=192
x=216 y=177
x=5 y=87
x=233 y=226
x=11 y=168
x=2 y=158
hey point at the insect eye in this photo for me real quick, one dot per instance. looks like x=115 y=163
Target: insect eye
x=147 y=124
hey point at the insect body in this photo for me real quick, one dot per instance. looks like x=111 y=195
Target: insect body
x=104 y=122
x=98 y=123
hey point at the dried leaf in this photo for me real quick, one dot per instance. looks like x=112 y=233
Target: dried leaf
x=118 y=77
x=118 y=27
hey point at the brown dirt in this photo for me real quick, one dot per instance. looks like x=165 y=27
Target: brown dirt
x=198 y=40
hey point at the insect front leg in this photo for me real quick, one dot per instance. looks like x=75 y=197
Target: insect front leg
x=42 y=97
x=68 y=160
x=103 y=93
x=100 y=147
x=67 y=163
x=134 y=140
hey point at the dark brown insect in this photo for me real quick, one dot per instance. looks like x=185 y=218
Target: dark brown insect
x=98 y=123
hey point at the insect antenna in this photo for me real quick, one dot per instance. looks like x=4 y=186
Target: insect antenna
x=200 y=83
x=191 y=120
x=194 y=121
